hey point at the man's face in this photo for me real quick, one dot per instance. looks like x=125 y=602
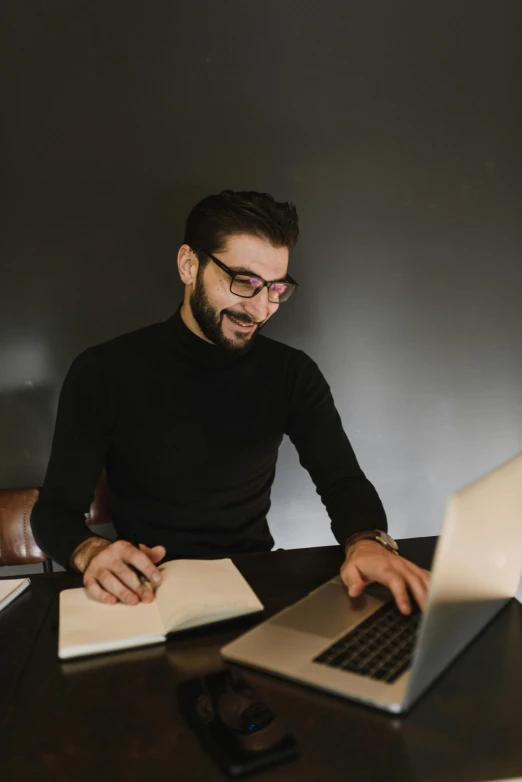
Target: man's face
x=224 y=318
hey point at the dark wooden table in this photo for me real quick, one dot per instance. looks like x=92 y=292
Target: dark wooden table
x=115 y=716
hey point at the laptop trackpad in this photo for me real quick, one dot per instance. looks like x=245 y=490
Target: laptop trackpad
x=328 y=612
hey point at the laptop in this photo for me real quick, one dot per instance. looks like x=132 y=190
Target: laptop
x=363 y=648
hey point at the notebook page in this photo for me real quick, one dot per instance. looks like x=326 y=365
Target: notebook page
x=198 y=591
x=90 y=627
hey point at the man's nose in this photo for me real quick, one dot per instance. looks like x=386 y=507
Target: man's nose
x=258 y=307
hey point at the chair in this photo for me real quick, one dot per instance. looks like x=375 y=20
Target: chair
x=17 y=543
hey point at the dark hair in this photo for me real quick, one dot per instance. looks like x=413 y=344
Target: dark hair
x=217 y=217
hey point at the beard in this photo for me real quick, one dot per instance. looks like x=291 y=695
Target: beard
x=210 y=321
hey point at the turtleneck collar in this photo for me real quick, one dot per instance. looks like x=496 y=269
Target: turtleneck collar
x=199 y=350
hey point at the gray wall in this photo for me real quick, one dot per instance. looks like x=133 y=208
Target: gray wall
x=393 y=125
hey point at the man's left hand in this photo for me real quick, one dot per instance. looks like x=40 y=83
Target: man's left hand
x=367 y=561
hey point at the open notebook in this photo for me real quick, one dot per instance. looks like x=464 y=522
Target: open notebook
x=193 y=592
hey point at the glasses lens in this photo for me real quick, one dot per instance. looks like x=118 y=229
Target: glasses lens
x=280 y=291
x=246 y=286
x=256 y=717
x=243 y=285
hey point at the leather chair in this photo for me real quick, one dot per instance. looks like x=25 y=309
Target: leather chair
x=17 y=543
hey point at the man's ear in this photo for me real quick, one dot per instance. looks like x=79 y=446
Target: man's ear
x=204 y=709
x=188 y=265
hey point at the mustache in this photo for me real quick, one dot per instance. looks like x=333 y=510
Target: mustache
x=241 y=317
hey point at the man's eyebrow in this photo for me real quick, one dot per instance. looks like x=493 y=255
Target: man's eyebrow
x=242 y=270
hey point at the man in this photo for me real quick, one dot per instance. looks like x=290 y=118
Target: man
x=187 y=417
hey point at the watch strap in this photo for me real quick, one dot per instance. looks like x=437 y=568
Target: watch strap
x=372 y=534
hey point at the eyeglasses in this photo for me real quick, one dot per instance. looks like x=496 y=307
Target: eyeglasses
x=247 y=285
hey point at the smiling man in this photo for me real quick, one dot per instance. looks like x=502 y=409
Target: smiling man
x=187 y=416
x=207 y=309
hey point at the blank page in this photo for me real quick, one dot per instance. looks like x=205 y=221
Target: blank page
x=198 y=591
x=90 y=627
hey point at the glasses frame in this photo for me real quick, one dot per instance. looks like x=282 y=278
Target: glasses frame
x=266 y=283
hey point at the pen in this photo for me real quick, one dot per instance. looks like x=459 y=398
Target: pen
x=142 y=578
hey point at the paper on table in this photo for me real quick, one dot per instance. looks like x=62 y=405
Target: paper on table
x=90 y=627
x=10 y=588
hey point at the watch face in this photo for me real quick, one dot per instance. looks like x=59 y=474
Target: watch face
x=389 y=541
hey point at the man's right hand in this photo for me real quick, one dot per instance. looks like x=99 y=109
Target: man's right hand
x=107 y=576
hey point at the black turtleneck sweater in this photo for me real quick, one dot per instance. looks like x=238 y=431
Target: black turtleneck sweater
x=189 y=435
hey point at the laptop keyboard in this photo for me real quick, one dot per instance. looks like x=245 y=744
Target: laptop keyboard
x=381 y=647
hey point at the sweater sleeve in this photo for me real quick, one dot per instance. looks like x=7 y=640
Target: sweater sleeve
x=315 y=428
x=78 y=452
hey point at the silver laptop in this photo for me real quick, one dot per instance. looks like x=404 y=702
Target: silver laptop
x=363 y=648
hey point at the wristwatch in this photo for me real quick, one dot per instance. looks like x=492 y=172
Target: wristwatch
x=374 y=534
